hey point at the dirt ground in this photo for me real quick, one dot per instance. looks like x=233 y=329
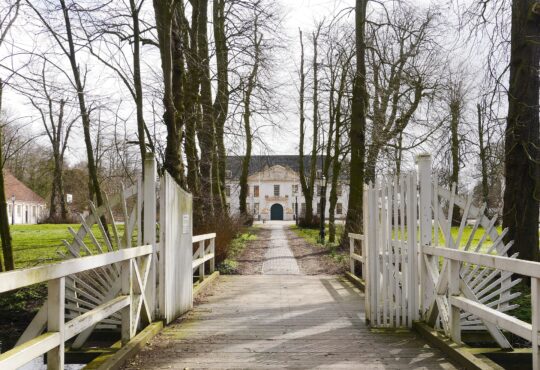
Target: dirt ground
x=251 y=259
x=313 y=259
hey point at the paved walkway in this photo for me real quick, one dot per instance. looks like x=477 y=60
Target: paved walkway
x=284 y=321
x=279 y=259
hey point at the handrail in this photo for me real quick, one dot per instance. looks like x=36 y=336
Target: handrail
x=521 y=267
x=460 y=298
x=16 y=279
x=204 y=253
x=200 y=238
x=59 y=331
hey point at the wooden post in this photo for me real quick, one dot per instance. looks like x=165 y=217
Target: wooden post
x=201 y=255
x=535 y=297
x=424 y=175
x=351 y=252
x=213 y=251
x=412 y=252
x=56 y=290
x=126 y=274
x=366 y=268
x=149 y=229
x=453 y=290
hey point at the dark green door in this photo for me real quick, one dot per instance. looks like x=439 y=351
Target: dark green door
x=276 y=212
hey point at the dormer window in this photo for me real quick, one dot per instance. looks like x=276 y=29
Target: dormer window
x=228 y=174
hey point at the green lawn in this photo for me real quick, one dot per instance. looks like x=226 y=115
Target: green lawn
x=238 y=244
x=38 y=244
x=312 y=236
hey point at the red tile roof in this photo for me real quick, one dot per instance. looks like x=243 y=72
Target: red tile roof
x=21 y=191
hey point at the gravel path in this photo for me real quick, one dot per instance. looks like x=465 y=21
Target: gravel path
x=279 y=258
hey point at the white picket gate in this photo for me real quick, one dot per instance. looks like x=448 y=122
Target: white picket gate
x=391 y=289
x=115 y=284
x=462 y=284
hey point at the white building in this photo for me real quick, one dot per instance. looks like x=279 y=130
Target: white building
x=24 y=206
x=274 y=188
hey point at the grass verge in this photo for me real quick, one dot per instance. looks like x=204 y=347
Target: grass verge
x=312 y=236
x=236 y=247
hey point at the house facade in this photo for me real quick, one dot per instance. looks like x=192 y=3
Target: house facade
x=24 y=206
x=275 y=192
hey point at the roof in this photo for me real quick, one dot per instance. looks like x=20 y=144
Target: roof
x=13 y=186
x=260 y=162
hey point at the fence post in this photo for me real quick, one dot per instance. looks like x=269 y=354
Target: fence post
x=55 y=320
x=351 y=251
x=149 y=231
x=453 y=290
x=213 y=251
x=424 y=176
x=371 y=255
x=412 y=250
x=535 y=298
x=126 y=275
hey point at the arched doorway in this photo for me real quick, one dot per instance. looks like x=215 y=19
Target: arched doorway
x=276 y=212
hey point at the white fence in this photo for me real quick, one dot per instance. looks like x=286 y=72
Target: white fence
x=463 y=284
x=127 y=287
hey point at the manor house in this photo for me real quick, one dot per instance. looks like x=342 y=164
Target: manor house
x=274 y=188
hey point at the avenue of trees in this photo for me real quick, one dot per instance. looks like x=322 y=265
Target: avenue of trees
x=410 y=86
x=191 y=81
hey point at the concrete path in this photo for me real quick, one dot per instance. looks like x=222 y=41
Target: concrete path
x=279 y=321
x=279 y=259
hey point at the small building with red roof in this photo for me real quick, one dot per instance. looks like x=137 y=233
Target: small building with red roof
x=24 y=205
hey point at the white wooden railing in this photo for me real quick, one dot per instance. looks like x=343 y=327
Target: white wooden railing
x=458 y=294
x=204 y=253
x=353 y=256
x=128 y=303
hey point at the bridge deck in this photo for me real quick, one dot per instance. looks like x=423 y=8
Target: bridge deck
x=277 y=321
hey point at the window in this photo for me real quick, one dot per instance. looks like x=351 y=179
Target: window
x=319 y=190
x=318 y=208
x=303 y=209
x=339 y=208
x=256 y=208
x=34 y=211
x=319 y=174
x=19 y=210
x=295 y=189
x=228 y=174
x=9 y=210
x=338 y=190
x=228 y=190
x=256 y=191
x=276 y=190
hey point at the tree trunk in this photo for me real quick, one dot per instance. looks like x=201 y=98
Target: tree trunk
x=521 y=194
x=306 y=190
x=371 y=163
x=315 y=121
x=95 y=188
x=483 y=157
x=221 y=102
x=137 y=82
x=191 y=105
x=206 y=129
x=173 y=153
x=455 y=116
x=358 y=127
x=5 y=234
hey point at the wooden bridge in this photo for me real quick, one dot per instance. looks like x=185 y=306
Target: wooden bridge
x=280 y=319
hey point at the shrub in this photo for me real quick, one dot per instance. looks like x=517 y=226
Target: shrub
x=226 y=228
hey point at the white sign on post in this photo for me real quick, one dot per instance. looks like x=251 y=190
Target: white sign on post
x=185 y=224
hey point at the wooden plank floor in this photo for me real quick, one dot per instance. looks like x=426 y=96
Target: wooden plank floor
x=283 y=321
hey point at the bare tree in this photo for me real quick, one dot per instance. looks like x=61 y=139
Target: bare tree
x=358 y=125
x=57 y=124
x=7 y=18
